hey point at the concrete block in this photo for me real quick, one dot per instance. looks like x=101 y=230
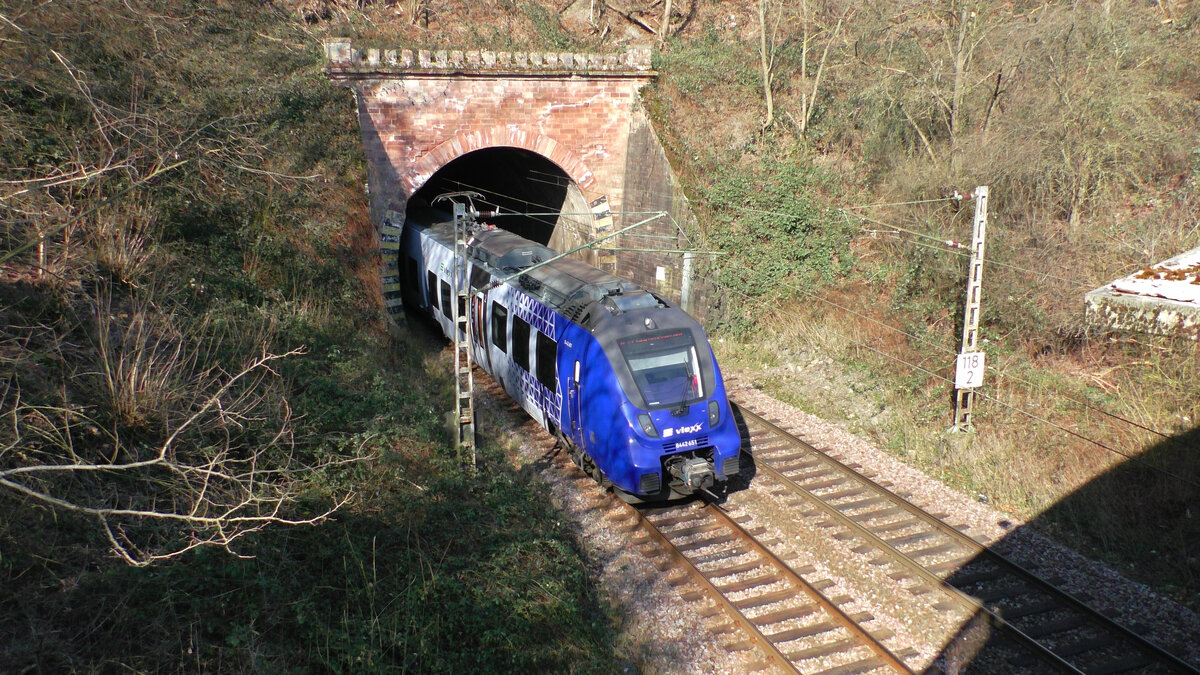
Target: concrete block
x=338 y=50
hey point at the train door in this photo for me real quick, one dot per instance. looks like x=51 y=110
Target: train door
x=575 y=433
x=498 y=345
x=479 y=318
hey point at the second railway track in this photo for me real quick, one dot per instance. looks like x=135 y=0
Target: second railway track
x=1040 y=623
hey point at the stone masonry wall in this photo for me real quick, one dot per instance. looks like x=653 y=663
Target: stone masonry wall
x=419 y=110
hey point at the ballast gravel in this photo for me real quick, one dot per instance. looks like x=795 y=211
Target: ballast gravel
x=661 y=632
x=1165 y=622
x=664 y=628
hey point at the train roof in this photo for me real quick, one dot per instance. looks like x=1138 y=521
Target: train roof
x=575 y=289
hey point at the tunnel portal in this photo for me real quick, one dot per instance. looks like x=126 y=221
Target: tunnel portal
x=536 y=198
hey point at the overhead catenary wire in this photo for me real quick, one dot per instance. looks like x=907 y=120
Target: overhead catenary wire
x=992 y=368
x=950 y=244
x=1033 y=416
x=850 y=212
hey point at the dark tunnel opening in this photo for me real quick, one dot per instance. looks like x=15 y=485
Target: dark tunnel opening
x=536 y=199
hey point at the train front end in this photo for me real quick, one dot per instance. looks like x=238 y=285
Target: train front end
x=679 y=432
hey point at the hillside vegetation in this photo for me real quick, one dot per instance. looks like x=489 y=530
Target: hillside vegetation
x=196 y=372
x=832 y=198
x=193 y=357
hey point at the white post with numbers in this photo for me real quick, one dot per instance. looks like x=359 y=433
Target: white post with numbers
x=968 y=375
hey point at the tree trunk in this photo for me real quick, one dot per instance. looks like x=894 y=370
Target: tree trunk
x=765 y=55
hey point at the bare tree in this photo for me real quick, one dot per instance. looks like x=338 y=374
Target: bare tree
x=202 y=485
x=935 y=72
x=810 y=86
x=767 y=39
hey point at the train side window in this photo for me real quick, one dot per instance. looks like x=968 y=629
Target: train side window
x=547 y=361
x=500 y=326
x=445 y=299
x=431 y=289
x=520 y=342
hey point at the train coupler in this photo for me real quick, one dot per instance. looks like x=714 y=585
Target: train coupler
x=696 y=473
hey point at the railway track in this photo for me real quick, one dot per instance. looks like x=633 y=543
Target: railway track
x=1041 y=624
x=790 y=620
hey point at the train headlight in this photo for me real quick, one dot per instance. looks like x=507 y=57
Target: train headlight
x=647 y=425
x=714 y=414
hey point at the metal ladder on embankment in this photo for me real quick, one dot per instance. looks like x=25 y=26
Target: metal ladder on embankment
x=464 y=380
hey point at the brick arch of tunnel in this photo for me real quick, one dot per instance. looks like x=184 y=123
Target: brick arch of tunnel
x=539 y=197
x=425 y=114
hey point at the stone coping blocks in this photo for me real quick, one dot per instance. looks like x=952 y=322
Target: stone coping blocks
x=1163 y=299
x=342 y=55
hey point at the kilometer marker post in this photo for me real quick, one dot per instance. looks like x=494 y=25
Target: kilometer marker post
x=968 y=375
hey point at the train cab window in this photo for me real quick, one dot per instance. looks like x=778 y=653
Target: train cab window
x=431 y=289
x=520 y=342
x=547 y=360
x=665 y=367
x=500 y=326
x=445 y=299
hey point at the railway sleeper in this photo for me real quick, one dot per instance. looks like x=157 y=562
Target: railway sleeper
x=896 y=542
x=1084 y=646
x=747 y=584
x=1002 y=593
x=1057 y=626
x=903 y=523
x=843 y=494
x=934 y=550
x=803 y=631
x=808 y=457
x=764 y=620
x=867 y=665
x=705 y=543
x=764 y=599
x=825 y=649
x=672 y=520
x=736 y=569
x=1124 y=664
x=962 y=579
x=723 y=554
x=876 y=515
x=1011 y=614
x=821 y=485
x=863 y=503
x=691 y=530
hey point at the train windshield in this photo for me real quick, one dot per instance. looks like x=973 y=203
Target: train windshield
x=665 y=367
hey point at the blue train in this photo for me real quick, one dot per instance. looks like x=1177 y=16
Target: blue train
x=626 y=380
